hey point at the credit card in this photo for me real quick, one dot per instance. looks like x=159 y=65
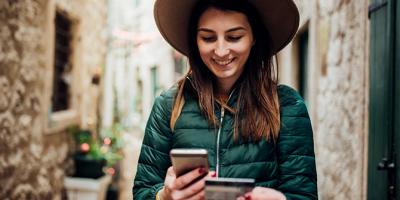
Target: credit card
x=227 y=188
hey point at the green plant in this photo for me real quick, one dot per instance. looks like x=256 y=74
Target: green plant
x=105 y=146
x=112 y=143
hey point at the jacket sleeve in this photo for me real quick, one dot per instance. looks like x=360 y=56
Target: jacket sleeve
x=154 y=155
x=298 y=177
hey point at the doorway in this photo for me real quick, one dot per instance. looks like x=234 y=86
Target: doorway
x=384 y=109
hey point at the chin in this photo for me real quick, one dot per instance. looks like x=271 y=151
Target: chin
x=224 y=76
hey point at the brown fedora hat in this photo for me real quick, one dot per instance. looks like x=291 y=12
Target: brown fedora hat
x=172 y=17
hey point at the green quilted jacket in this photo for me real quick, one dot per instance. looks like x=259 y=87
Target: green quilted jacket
x=288 y=165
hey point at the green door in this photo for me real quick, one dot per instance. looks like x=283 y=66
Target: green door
x=397 y=101
x=384 y=109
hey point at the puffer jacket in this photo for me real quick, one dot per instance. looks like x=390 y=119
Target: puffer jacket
x=288 y=165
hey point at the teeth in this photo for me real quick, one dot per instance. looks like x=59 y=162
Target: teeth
x=223 y=62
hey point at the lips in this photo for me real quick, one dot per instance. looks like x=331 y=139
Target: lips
x=223 y=62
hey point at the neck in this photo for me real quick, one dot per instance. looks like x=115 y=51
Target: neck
x=223 y=90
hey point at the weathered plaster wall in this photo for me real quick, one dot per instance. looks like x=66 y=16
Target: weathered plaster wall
x=33 y=163
x=26 y=171
x=341 y=126
x=342 y=98
x=338 y=91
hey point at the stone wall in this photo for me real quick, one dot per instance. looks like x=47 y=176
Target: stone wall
x=342 y=99
x=32 y=162
x=338 y=91
x=338 y=81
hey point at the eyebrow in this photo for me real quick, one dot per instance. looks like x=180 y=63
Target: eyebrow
x=230 y=30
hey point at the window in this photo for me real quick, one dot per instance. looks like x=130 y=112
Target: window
x=154 y=80
x=60 y=99
x=62 y=102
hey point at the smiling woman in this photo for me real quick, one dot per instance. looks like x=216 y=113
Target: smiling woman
x=229 y=103
x=224 y=46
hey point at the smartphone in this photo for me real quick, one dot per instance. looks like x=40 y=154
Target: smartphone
x=227 y=188
x=185 y=160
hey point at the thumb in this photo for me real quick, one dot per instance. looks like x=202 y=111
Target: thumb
x=171 y=172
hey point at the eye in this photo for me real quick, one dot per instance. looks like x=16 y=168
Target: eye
x=208 y=38
x=233 y=38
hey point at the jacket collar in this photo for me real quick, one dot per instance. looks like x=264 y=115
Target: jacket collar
x=232 y=97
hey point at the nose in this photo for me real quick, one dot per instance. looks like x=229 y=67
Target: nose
x=221 y=49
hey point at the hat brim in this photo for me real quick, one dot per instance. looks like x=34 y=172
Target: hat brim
x=280 y=17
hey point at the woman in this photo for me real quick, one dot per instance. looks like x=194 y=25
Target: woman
x=229 y=103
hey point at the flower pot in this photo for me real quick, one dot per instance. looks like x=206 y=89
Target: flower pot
x=86 y=167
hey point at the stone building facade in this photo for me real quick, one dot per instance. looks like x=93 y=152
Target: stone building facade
x=35 y=148
x=337 y=91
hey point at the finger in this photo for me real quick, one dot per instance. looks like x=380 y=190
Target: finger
x=259 y=191
x=263 y=190
x=169 y=179
x=189 y=191
x=247 y=194
x=198 y=196
x=187 y=178
x=263 y=193
x=211 y=174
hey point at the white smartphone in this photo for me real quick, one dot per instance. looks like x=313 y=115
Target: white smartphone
x=185 y=160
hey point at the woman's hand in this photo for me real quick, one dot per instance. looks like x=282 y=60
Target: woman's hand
x=176 y=188
x=264 y=194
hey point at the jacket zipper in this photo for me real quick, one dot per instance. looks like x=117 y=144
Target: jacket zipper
x=219 y=129
x=219 y=134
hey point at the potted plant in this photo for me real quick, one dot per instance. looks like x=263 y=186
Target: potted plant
x=96 y=154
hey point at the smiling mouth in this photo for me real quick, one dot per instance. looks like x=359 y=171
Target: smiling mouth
x=223 y=62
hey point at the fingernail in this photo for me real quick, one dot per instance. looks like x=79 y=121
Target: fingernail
x=213 y=174
x=201 y=170
x=247 y=197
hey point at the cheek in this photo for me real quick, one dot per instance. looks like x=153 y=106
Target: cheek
x=204 y=50
x=243 y=49
x=244 y=52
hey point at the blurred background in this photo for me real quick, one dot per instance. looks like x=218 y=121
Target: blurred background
x=78 y=79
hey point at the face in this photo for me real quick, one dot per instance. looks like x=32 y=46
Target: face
x=224 y=39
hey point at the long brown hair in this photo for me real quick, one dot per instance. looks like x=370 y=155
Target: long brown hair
x=257 y=109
